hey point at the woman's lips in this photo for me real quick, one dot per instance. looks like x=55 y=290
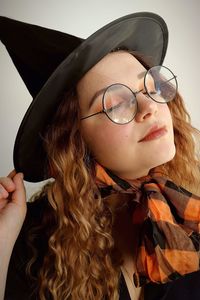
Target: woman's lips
x=154 y=133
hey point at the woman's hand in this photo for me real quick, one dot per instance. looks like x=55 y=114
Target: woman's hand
x=12 y=207
x=12 y=215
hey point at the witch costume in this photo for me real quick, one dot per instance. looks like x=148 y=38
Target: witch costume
x=50 y=63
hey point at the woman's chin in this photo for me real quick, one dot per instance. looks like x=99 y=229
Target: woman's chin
x=164 y=156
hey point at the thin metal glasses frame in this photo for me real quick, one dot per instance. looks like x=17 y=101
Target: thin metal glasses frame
x=135 y=93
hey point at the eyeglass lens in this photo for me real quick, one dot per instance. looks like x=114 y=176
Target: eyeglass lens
x=164 y=84
x=119 y=103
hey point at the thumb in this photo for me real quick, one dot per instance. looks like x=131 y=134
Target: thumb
x=19 y=195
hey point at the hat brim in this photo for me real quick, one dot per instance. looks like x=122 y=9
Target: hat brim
x=144 y=32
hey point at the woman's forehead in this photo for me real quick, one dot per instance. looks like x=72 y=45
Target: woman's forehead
x=117 y=66
x=115 y=61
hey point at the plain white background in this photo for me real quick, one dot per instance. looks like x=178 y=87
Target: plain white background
x=82 y=18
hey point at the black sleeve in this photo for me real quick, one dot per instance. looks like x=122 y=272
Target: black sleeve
x=19 y=286
x=184 y=288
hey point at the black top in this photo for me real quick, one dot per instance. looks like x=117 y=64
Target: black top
x=18 y=285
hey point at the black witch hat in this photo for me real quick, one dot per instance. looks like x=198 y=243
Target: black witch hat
x=51 y=62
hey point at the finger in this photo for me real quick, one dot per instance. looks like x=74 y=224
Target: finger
x=7 y=184
x=19 y=195
x=12 y=174
x=3 y=203
x=3 y=193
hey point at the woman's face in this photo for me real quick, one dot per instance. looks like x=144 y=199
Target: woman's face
x=123 y=148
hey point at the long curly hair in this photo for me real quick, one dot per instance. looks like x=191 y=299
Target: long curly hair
x=184 y=168
x=81 y=260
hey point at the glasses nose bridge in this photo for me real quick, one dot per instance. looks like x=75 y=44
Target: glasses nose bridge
x=145 y=104
x=140 y=93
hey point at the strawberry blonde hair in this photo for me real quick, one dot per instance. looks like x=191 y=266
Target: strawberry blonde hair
x=81 y=260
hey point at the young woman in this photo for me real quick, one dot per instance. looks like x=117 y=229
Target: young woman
x=114 y=223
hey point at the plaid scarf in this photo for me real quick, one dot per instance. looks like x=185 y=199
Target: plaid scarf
x=169 y=220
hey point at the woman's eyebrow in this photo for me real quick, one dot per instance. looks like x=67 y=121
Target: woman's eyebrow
x=101 y=91
x=94 y=97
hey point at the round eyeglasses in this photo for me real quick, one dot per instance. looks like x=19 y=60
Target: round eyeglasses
x=119 y=101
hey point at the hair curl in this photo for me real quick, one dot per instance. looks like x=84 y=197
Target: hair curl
x=184 y=168
x=81 y=261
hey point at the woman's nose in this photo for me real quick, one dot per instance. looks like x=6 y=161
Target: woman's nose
x=147 y=107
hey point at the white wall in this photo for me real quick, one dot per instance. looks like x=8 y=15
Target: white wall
x=82 y=18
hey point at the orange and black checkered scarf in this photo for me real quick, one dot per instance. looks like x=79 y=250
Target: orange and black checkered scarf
x=169 y=220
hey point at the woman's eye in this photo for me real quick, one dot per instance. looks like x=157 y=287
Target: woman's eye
x=114 y=107
x=153 y=92
x=123 y=104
